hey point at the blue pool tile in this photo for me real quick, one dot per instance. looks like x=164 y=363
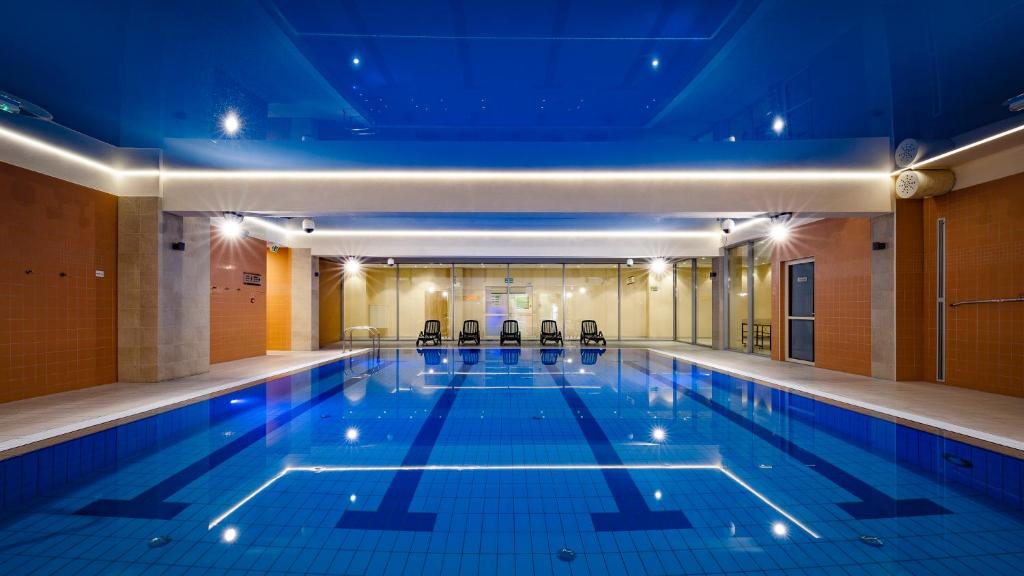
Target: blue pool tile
x=820 y=460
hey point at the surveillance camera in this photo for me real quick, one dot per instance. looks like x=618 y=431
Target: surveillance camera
x=274 y=247
x=308 y=225
x=629 y=262
x=391 y=261
x=727 y=225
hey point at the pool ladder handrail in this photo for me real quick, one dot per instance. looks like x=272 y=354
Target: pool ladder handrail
x=988 y=301
x=374 y=338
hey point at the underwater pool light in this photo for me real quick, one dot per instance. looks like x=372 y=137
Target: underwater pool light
x=658 y=434
x=352 y=434
x=230 y=535
x=780 y=529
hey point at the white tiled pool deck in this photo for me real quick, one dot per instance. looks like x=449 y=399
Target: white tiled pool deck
x=997 y=421
x=989 y=420
x=27 y=425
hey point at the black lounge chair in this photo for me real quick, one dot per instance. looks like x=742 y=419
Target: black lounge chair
x=510 y=333
x=589 y=356
x=549 y=333
x=431 y=333
x=589 y=334
x=549 y=356
x=470 y=333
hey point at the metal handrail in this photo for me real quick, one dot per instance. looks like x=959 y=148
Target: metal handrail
x=988 y=301
x=374 y=337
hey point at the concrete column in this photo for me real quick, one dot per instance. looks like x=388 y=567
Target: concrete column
x=138 y=223
x=163 y=294
x=883 y=299
x=305 y=300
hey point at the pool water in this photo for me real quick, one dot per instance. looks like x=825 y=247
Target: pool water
x=515 y=462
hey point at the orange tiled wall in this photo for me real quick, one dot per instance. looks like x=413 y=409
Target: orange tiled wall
x=279 y=299
x=238 y=312
x=984 y=259
x=909 y=290
x=330 y=302
x=57 y=332
x=841 y=248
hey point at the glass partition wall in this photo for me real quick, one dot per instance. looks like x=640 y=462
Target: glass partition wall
x=662 y=301
x=369 y=298
x=749 y=297
x=704 y=298
x=592 y=293
x=762 y=290
x=424 y=293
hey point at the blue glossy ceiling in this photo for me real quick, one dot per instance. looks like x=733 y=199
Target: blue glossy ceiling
x=142 y=72
x=526 y=63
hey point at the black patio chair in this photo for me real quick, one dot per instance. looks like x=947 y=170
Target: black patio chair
x=431 y=333
x=549 y=333
x=470 y=333
x=510 y=333
x=589 y=334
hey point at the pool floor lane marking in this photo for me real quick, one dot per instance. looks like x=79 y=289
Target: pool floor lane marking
x=511 y=468
x=393 y=511
x=152 y=504
x=874 y=504
x=634 y=513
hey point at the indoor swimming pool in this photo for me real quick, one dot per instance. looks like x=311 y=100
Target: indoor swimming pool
x=511 y=461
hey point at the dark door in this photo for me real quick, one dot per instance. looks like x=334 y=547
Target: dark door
x=801 y=311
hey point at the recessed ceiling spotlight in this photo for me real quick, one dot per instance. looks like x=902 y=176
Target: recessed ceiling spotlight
x=655 y=63
x=353 y=266
x=659 y=266
x=778 y=125
x=231 y=123
x=231 y=225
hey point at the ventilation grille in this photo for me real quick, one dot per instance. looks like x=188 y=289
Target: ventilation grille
x=907 y=185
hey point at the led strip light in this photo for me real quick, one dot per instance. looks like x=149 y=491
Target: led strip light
x=483 y=234
x=512 y=468
x=477 y=175
x=965 y=147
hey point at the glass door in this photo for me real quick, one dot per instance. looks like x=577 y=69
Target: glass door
x=800 y=311
x=495 y=311
x=482 y=295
